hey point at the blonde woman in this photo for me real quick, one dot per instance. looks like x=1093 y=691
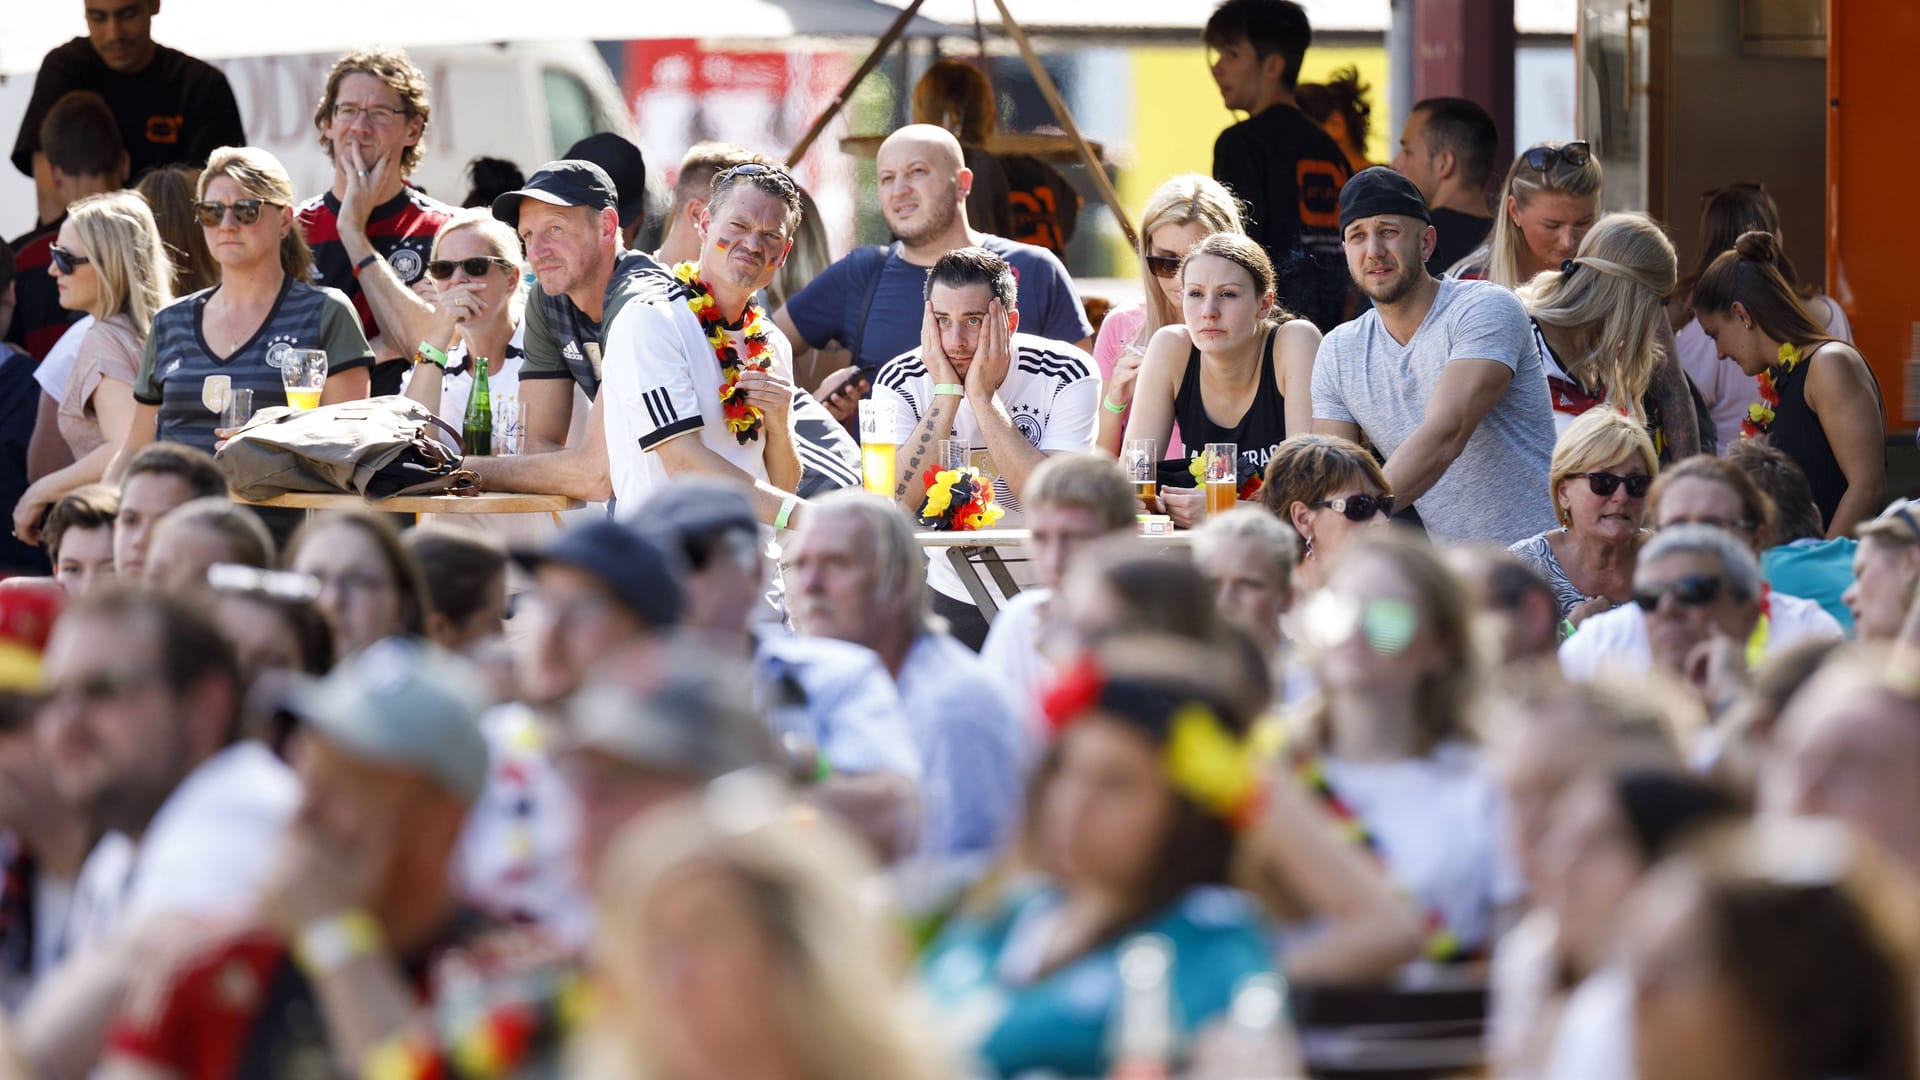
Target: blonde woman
x=733 y=946
x=1182 y=212
x=108 y=262
x=1549 y=200
x=234 y=335
x=1599 y=320
x=475 y=269
x=1603 y=466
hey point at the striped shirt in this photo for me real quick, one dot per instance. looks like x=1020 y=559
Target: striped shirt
x=401 y=230
x=38 y=318
x=180 y=373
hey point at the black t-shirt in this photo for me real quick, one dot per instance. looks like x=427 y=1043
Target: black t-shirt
x=176 y=109
x=38 y=319
x=1459 y=234
x=19 y=402
x=1289 y=173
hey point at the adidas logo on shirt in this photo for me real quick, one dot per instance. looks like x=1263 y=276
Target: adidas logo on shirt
x=571 y=351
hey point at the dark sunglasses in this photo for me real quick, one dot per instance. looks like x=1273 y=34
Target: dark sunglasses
x=64 y=260
x=1692 y=590
x=1542 y=158
x=245 y=211
x=1357 y=507
x=1162 y=266
x=1604 y=484
x=442 y=269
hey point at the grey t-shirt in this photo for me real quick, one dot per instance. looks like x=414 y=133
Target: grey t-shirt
x=1496 y=490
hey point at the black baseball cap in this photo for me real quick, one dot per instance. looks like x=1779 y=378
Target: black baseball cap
x=1379 y=190
x=567 y=182
x=640 y=572
x=622 y=161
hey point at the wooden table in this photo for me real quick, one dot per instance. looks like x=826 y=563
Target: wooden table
x=487 y=502
x=970 y=551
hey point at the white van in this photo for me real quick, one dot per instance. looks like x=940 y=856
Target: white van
x=522 y=101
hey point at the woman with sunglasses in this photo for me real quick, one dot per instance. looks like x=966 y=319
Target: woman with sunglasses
x=1815 y=397
x=1726 y=390
x=232 y=336
x=475 y=268
x=1389 y=750
x=1239 y=371
x=1602 y=467
x=1182 y=212
x=1549 y=200
x=108 y=261
x=1599 y=320
x=1332 y=492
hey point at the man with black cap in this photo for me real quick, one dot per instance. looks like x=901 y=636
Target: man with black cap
x=623 y=162
x=1442 y=376
x=600 y=589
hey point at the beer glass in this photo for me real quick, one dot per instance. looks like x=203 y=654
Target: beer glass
x=1223 y=475
x=1138 y=457
x=304 y=374
x=877 y=449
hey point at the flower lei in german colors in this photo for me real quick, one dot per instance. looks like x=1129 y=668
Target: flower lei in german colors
x=959 y=500
x=499 y=1043
x=1247 y=478
x=1760 y=413
x=743 y=419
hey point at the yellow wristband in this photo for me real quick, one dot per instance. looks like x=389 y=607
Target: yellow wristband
x=335 y=941
x=949 y=389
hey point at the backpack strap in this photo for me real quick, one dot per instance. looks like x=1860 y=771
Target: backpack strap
x=866 y=304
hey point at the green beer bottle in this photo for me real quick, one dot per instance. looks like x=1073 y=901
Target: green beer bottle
x=477 y=431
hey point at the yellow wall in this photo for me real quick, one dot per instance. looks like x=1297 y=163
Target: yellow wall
x=1177 y=113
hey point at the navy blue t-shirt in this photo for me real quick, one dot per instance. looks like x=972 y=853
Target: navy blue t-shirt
x=830 y=308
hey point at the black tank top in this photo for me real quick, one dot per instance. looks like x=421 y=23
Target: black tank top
x=1261 y=428
x=1796 y=431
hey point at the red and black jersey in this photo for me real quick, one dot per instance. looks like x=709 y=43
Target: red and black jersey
x=401 y=230
x=38 y=318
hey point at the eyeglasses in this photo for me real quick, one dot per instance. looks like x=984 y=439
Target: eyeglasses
x=1691 y=590
x=377 y=115
x=753 y=168
x=64 y=260
x=1604 y=484
x=1542 y=158
x=1357 y=507
x=442 y=269
x=279 y=584
x=245 y=211
x=1163 y=267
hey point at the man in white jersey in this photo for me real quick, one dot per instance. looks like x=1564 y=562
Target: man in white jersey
x=1011 y=398
x=667 y=360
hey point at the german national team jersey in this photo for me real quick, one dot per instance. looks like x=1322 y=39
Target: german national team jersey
x=401 y=230
x=562 y=343
x=180 y=373
x=38 y=318
x=1052 y=393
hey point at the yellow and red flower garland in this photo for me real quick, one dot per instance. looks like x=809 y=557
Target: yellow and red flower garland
x=1247 y=482
x=959 y=500
x=743 y=418
x=1760 y=414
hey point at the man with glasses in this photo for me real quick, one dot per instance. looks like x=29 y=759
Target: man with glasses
x=140 y=737
x=170 y=107
x=1702 y=491
x=1442 y=376
x=372 y=230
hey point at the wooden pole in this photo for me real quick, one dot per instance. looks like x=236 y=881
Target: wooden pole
x=1052 y=93
x=866 y=68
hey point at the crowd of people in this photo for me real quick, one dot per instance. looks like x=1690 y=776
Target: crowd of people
x=1557 y=638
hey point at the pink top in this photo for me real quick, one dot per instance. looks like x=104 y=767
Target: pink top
x=1117 y=332
x=111 y=350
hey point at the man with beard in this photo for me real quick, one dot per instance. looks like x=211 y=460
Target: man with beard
x=872 y=300
x=700 y=381
x=1442 y=376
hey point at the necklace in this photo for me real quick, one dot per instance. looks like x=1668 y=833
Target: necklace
x=1760 y=414
x=743 y=418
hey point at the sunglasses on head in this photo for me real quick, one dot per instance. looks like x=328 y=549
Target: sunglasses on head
x=754 y=168
x=1163 y=266
x=1542 y=158
x=245 y=211
x=442 y=269
x=1604 y=484
x=64 y=260
x=1691 y=590
x=1357 y=507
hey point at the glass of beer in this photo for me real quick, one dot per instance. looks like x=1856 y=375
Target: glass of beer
x=304 y=374
x=1223 y=476
x=1137 y=455
x=877 y=448
x=954 y=453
